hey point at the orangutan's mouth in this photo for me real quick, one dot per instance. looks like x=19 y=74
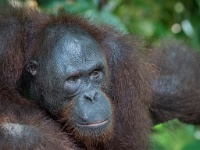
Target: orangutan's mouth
x=94 y=124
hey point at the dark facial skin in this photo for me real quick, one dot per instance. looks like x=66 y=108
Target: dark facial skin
x=71 y=81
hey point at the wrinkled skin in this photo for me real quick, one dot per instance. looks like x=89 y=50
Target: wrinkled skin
x=75 y=73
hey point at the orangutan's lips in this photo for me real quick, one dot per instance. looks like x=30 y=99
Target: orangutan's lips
x=95 y=124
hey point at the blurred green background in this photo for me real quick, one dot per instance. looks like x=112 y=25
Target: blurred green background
x=154 y=19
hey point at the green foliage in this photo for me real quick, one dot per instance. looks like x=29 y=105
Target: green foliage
x=160 y=18
x=174 y=135
x=86 y=8
x=156 y=19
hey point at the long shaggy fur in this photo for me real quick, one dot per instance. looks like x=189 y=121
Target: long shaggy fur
x=129 y=88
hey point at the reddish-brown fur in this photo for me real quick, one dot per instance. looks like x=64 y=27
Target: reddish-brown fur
x=134 y=83
x=177 y=88
x=128 y=87
x=43 y=133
